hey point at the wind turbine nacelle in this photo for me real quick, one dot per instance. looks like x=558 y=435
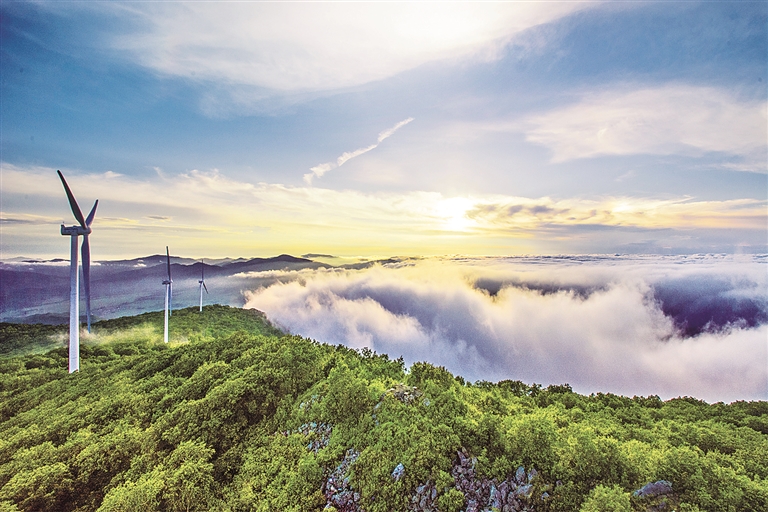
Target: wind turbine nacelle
x=75 y=230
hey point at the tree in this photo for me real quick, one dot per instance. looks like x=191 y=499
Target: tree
x=607 y=499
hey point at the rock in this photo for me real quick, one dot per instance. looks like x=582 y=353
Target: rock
x=405 y=394
x=398 y=472
x=525 y=490
x=495 y=497
x=653 y=489
x=338 y=493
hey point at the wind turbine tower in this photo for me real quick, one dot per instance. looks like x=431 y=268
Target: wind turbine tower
x=168 y=291
x=202 y=283
x=74 y=232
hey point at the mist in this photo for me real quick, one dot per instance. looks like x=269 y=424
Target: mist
x=668 y=326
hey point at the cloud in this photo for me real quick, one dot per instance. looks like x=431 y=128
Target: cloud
x=662 y=120
x=349 y=155
x=284 y=46
x=388 y=133
x=234 y=216
x=517 y=213
x=319 y=170
x=609 y=331
x=22 y=218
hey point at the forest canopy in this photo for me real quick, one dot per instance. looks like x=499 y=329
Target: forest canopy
x=236 y=415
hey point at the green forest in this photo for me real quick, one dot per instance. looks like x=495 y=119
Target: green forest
x=235 y=415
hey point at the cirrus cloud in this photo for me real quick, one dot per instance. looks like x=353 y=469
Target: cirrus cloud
x=320 y=169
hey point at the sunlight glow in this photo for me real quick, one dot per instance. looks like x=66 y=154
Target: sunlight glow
x=453 y=213
x=199 y=211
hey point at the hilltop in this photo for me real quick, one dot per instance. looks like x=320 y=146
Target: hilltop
x=235 y=415
x=188 y=325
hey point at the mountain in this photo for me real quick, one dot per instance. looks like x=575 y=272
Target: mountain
x=235 y=415
x=38 y=291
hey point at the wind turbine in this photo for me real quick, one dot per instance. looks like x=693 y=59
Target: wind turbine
x=74 y=232
x=168 y=292
x=202 y=283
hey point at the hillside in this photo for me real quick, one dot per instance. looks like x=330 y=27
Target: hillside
x=234 y=415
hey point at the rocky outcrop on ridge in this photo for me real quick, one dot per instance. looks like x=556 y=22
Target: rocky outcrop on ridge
x=336 y=489
x=515 y=493
x=520 y=492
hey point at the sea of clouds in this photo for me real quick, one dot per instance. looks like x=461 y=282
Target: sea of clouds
x=633 y=325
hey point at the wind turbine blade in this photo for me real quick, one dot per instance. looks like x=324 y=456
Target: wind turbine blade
x=86 y=252
x=202 y=270
x=170 y=298
x=89 y=219
x=205 y=287
x=72 y=202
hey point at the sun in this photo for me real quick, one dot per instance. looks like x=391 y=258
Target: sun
x=453 y=216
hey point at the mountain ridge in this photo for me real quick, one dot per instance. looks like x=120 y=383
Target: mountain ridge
x=39 y=292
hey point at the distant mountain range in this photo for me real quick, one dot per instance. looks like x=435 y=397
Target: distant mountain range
x=37 y=291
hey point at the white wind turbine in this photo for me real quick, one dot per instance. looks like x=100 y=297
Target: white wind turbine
x=202 y=283
x=74 y=232
x=168 y=292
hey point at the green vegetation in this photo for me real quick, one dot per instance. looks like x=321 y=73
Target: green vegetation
x=234 y=415
x=23 y=339
x=186 y=325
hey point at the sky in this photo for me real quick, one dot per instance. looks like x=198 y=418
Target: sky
x=370 y=129
x=457 y=136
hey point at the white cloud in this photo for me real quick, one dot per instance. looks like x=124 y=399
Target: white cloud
x=349 y=155
x=613 y=338
x=305 y=46
x=320 y=169
x=390 y=131
x=668 y=119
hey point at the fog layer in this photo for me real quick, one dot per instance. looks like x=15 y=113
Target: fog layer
x=675 y=326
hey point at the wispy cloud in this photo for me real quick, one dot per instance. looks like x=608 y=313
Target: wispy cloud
x=663 y=120
x=25 y=218
x=319 y=170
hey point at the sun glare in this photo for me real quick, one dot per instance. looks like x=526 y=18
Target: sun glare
x=453 y=214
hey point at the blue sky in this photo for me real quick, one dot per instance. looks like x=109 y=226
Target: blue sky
x=537 y=127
